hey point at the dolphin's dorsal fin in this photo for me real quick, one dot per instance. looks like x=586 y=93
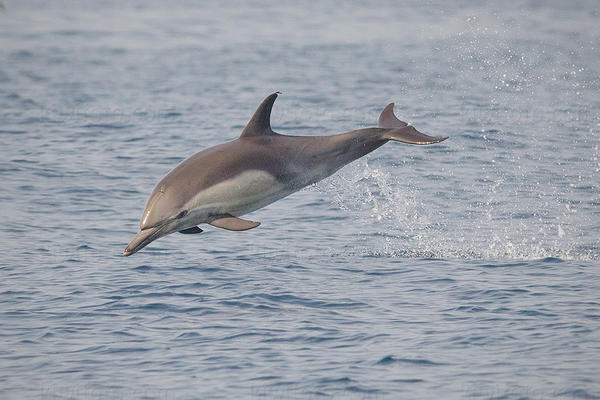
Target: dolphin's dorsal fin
x=260 y=123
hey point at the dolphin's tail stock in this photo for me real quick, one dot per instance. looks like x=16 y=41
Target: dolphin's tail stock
x=402 y=132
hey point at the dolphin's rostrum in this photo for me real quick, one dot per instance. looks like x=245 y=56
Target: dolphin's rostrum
x=222 y=183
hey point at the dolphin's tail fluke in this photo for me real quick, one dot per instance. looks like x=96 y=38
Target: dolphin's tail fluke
x=387 y=119
x=409 y=134
x=402 y=132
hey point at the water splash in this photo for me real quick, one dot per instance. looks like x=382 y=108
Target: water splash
x=399 y=212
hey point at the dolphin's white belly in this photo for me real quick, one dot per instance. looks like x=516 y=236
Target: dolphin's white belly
x=246 y=192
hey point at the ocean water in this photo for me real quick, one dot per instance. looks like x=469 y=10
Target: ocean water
x=464 y=270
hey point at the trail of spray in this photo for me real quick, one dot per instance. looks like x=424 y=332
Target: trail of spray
x=400 y=219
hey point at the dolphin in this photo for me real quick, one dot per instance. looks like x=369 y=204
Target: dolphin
x=218 y=185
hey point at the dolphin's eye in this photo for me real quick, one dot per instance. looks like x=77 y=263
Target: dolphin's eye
x=182 y=214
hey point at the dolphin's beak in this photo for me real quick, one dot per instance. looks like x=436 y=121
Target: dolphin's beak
x=143 y=239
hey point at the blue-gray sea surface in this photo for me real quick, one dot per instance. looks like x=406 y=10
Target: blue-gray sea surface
x=466 y=269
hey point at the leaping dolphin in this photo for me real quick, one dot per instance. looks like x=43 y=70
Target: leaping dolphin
x=218 y=185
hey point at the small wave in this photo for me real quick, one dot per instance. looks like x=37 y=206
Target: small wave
x=125 y=349
x=171 y=114
x=343 y=379
x=579 y=394
x=113 y=126
x=188 y=335
x=416 y=361
x=291 y=299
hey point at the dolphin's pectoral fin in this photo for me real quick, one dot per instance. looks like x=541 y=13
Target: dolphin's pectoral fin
x=191 y=231
x=229 y=222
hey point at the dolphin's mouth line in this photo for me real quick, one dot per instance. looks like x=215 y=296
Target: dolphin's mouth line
x=144 y=238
